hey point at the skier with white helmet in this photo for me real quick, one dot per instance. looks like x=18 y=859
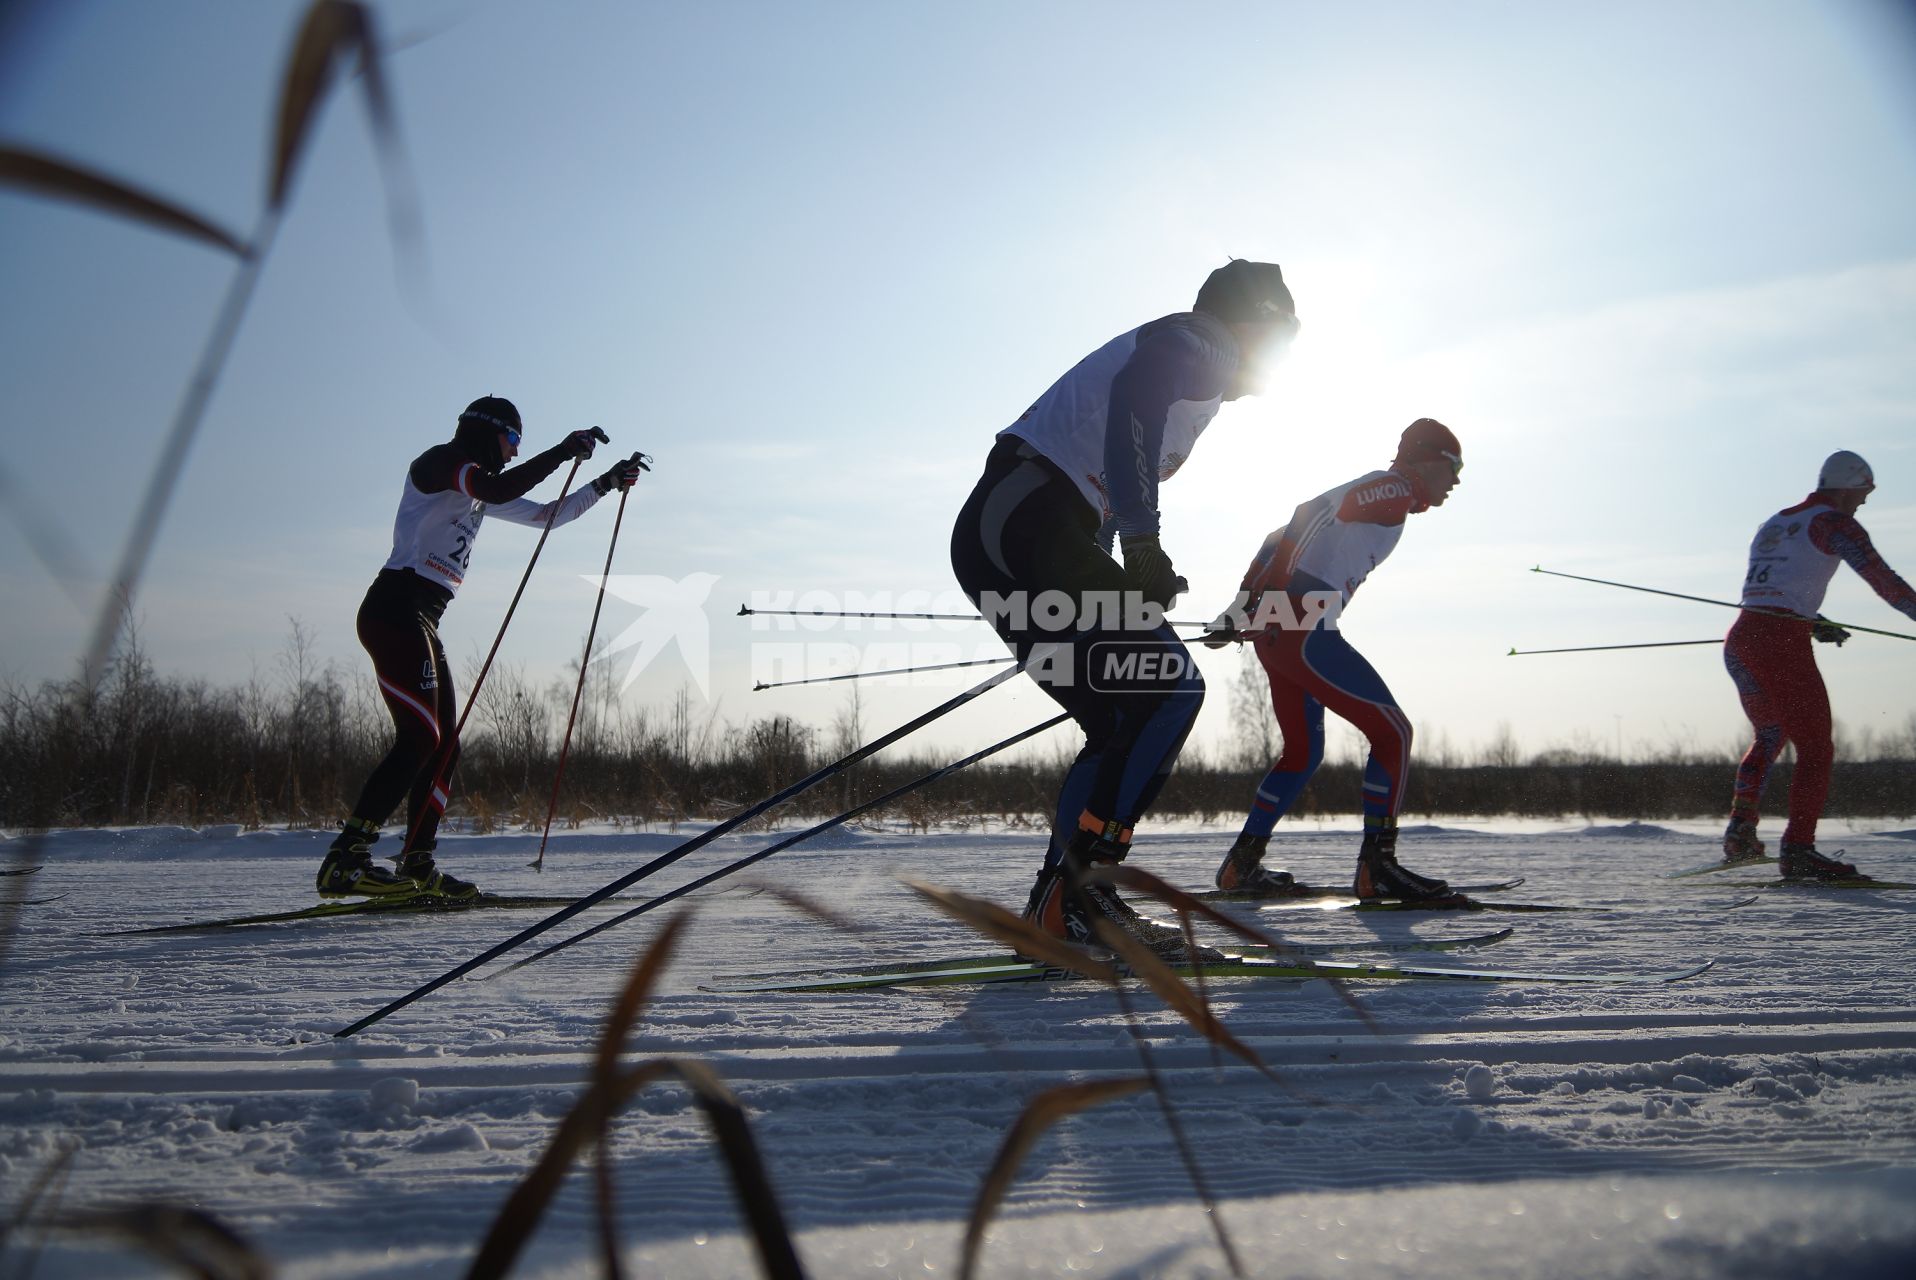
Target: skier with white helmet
x=1767 y=651
x=1032 y=549
x=449 y=490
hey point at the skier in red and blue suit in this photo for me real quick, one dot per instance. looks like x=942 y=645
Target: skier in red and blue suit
x=1288 y=607
x=1792 y=559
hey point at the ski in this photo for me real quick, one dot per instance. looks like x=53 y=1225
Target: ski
x=1461 y=902
x=22 y=871
x=723 y=982
x=989 y=969
x=1449 y=902
x=422 y=904
x=1848 y=882
x=1721 y=864
x=1310 y=893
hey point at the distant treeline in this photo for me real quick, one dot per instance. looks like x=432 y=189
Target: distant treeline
x=293 y=746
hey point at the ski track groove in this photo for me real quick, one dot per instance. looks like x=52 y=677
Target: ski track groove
x=183 y=1060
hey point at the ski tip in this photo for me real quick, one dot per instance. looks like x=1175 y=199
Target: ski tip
x=1847 y=882
x=743 y=612
x=1739 y=864
x=1512 y=653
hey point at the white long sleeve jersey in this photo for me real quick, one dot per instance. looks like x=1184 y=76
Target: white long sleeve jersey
x=447 y=496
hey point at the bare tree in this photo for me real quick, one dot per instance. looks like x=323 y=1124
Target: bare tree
x=1253 y=725
x=848 y=735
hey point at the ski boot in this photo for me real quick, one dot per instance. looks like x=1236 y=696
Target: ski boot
x=417 y=866
x=1740 y=844
x=348 y=866
x=1243 y=871
x=1803 y=862
x=1064 y=907
x=1379 y=875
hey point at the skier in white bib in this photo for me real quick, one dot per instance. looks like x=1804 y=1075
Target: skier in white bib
x=1289 y=606
x=449 y=490
x=1792 y=559
x=1077 y=470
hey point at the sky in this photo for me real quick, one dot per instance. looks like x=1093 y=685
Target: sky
x=1652 y=262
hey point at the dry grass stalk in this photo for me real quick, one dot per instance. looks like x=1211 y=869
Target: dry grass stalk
x=1188 y=907
x=1039 y=1114
x=1146 y=965
x=1027 y=939
x=48 y=175
x=812 y=907
x=1019 y=934
x=190 y=1239
x=605 y=1072
x=49 y=1182
x=589 y=1122
x=332 y=29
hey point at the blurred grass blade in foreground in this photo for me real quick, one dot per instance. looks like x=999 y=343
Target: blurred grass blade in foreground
x=47 y=175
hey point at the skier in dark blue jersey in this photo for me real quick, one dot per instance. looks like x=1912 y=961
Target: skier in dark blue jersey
x=1078 y=470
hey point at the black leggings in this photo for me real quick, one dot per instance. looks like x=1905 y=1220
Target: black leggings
x=1024 y=532
x=416 y=682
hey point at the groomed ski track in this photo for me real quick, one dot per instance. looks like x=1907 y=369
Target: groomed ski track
x=202 y=1066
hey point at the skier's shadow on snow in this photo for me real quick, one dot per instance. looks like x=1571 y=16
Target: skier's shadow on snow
x=1372 y=1106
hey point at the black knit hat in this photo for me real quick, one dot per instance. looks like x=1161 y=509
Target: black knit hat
x=1241 y=290
x=479 y=428
x=496 y=412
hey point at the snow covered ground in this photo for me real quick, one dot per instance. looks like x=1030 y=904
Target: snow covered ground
x=1759 y=1120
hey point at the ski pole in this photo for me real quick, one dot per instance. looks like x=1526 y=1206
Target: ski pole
x=673 y=855
x=441 y=782
x=472 y=695
x=873 y=675
x=1592 y=648
x=585 y=661
x=894 y=794
x=747 y=612
x=1775 y=613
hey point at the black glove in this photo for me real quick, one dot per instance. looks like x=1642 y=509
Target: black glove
x=582 y=443
x=623 y=475
x=1148 y=571
x=1823 y=631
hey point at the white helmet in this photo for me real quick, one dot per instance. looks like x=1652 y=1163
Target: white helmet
x=1845 y=470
